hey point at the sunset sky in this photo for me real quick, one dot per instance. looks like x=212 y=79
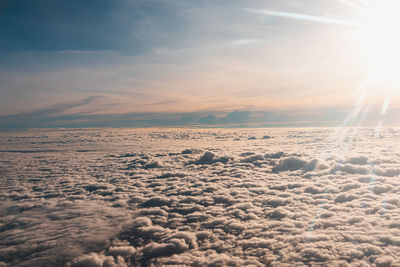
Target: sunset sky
x=68 y=62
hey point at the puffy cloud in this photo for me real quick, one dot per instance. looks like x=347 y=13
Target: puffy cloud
x=210 y=158
x=125 y=251
x=294 y=164
x=97 y=260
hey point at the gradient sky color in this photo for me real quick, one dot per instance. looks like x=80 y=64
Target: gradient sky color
x=100 y=62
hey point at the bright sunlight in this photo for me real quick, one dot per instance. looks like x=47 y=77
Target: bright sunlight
x=380 y=34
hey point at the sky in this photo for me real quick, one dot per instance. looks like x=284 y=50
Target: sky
x=129 y=63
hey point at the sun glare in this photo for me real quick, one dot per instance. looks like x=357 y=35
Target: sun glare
x=381 y=37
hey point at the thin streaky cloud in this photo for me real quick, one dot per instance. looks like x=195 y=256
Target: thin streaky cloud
x=238 y=42
x=364 y=2
x=356 y=6
x=53 y=110
x=303 y=17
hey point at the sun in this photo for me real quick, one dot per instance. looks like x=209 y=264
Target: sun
x=380 y=32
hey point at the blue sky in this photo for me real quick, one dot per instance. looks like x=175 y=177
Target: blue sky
x=80 y=62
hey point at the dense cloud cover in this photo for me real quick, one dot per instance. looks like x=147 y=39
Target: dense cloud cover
x=255 y=197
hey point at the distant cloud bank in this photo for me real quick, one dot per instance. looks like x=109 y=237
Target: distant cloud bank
x=64 y=116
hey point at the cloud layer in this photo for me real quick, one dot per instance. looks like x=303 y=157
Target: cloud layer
x=199 y=197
